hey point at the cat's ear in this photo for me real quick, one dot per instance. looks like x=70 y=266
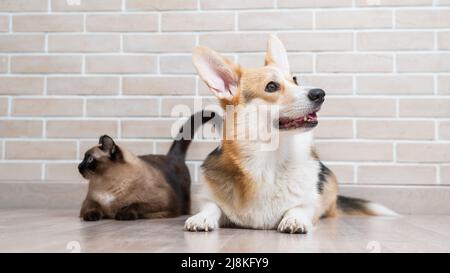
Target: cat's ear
x=108 y=145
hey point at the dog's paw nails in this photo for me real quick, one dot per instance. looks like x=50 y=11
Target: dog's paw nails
x=294 y=225
x=200 y=223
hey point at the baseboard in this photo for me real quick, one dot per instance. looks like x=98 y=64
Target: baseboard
x=69 y=195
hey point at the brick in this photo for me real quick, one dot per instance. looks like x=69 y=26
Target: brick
x=81 y=128
x=137 y=147
x=170 y=104
x=4 y=23
x=235 y=42
x=91 y=5
x=197 y=150
x=121 y=64
x=331 y=84
x=397 y=40
x=423 y=62
x=48 y=23
x=159 y=85
x=122 y=107
x=20 y=171
x=423 y=18
x=82 y=85
x=62 y=172
x=398 y=174
x=23 y=5
x=299 y=63
x=423 y=152
x=46 y=64
x=121 y=22
x=317 y=41
x=344 y=173
x=398 y=84
x=394 y=3
x=354 y=62
x=197 y=21
x=86 y=145
x=3 y=64
x=160 y=5
x=21 y=85
x=336 y=128
x=84 y=43
x=443 y=40
x=147 y=129
x=356 y=107
x=3 y=106
x=47 y=107
x=445 y=175
x=357 y=19
x=395 y=129
x=20 y=128
x=235 y=4
x=314 y=4
x=273 y=20
x=22 y=43
x=159 y=43
x=41 y=150
x=355 y=151
x=444 y=130
x=176 y=64
x=425 y=108
x=443 y=84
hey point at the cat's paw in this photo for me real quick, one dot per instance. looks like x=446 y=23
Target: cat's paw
x=291 y=224
x=200 y=222
x=127 y=214
x=92 y=215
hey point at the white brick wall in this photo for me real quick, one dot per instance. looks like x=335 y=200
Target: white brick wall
x=69 y=73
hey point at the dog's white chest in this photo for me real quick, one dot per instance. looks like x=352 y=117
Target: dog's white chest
x=283 y=182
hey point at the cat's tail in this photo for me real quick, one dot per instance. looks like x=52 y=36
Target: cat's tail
x=356 y=206
x=181 y=144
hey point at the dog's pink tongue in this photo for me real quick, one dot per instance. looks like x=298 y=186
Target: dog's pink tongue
x=312 y=115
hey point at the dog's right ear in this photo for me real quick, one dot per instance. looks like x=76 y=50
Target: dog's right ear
x=220 y=74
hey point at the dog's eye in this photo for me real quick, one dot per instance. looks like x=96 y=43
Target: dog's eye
x=272 y=87
x=295 y=80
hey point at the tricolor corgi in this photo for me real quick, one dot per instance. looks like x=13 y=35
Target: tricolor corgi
x=287 y=188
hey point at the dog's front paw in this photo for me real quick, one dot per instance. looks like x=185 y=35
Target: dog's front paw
x=200 y=222
x=291 y=224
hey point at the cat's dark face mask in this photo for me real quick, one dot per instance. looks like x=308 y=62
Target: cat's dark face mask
x=97 y=159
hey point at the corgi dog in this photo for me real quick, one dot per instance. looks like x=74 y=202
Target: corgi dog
x=287 y=188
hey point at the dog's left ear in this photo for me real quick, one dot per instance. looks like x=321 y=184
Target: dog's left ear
x=276 y=54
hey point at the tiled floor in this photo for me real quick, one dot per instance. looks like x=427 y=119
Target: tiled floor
x=62 y=231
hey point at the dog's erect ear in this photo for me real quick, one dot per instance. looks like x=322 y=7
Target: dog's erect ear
x=276 y=54
x=220 y=74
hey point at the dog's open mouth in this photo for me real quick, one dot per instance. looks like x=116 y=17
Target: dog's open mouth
x=307 y=121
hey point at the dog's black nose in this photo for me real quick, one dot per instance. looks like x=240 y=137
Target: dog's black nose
x=316 y=95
